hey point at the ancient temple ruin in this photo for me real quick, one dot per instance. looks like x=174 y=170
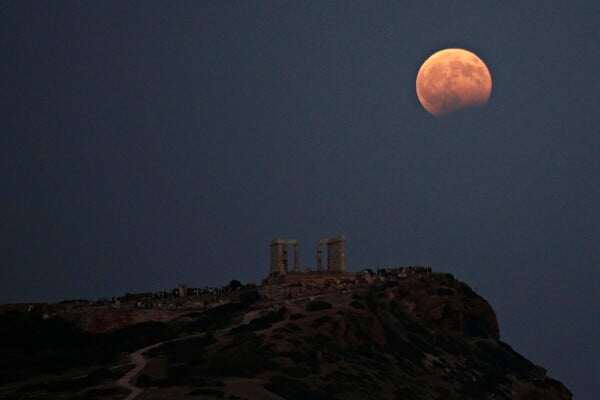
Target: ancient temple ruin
x=279 y=264
x=279 y=256
x=335 y=254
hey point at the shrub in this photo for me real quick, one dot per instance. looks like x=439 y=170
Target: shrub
x=307 y=359
x=356 y=304
x=207 y=391
x=445 y=291
x=292 y=389
x=321 y=321
x=296 y=371
x=318 y=305
x=261 y=323
x=216 y=318
x=291 y=327
x=234 y=284
x=250 y=297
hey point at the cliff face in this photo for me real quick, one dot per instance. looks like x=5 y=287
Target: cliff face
x=353 y=336
x=419 y=337
x=439 y=303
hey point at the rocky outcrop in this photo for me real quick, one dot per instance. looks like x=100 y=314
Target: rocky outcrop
x=389 y=334
x=422 y=336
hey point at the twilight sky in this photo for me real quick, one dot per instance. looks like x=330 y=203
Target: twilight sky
x=144 y=144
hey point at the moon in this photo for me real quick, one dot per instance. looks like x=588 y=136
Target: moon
x=451 y=80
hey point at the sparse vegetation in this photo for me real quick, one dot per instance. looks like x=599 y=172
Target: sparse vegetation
x=261 y=323
x=189 y=351
x=317 y=305
x=292 y=389
x=30 y=344
x=296 y=371
x=392 y=339
x=234 y=284
x=292 y=327
x=249 y=297
x=307 y=358
x=216 y=318
x=207 y=392
x=321 y=321
x=444 y=291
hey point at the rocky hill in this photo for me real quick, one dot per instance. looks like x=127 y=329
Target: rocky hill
x=384 y=335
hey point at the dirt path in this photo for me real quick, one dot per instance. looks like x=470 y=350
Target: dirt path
x=140 y=362
x=139 y=359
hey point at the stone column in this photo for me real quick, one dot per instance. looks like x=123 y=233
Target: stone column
x=276 y=266
x=285 y=257
x=320 y=255
x=335 y=254
x=296 y=258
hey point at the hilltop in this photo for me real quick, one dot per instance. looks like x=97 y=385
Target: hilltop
x=389 y=334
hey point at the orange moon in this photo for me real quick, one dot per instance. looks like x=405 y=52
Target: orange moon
x=452 y=80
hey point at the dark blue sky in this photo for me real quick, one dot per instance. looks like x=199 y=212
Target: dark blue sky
x=145 y=144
